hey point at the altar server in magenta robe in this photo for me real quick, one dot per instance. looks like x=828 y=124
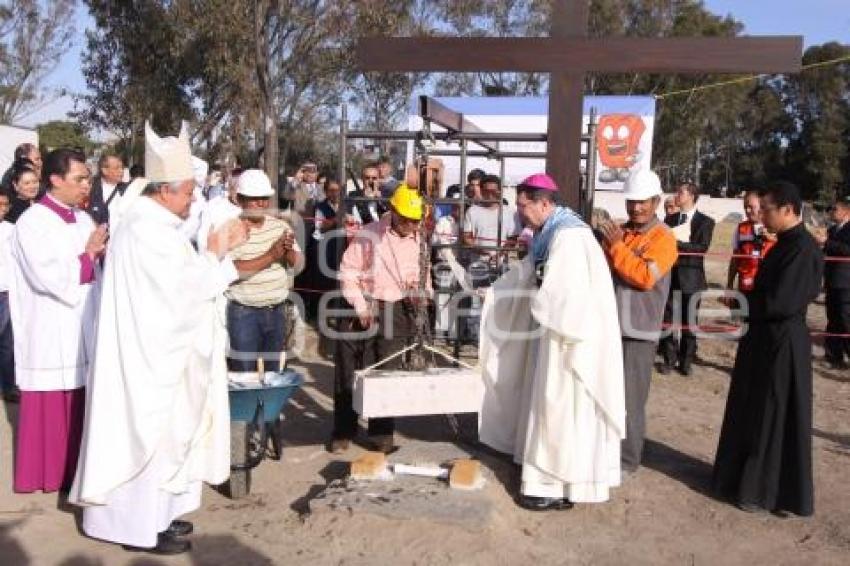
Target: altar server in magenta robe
x=54 y=251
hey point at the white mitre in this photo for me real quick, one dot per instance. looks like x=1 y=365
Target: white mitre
x=169 y=159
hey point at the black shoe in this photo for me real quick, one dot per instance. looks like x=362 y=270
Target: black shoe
x=685 y=369
x=836 y=364
x=750 y=508
x=165 y=545
x=782 y=514
x=664 y=368
x=179 y=528
x=12 y=395
x=543 y=503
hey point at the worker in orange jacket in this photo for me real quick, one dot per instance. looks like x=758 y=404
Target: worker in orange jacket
x=641 y=254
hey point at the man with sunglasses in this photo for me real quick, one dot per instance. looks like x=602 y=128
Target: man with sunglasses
x=368 y=212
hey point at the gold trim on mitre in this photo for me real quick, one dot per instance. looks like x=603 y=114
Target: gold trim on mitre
x=168 y=159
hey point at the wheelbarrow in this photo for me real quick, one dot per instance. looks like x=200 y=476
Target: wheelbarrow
x=255 y=419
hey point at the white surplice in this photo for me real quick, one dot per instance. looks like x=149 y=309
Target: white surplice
x=52 y=312
x=553 y=371
x=157 y=414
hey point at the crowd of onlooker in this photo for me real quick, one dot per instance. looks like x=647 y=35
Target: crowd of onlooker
x=470 y=245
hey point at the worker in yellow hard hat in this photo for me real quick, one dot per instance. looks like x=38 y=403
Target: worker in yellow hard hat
x=407 y=208
x=379 y=279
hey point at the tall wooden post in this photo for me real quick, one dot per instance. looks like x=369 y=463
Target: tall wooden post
x=569 y=19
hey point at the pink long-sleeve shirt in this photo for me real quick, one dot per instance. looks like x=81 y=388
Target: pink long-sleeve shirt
x=379 y=264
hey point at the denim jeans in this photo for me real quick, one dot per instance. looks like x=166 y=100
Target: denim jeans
x=255 y=332
x=7 y=346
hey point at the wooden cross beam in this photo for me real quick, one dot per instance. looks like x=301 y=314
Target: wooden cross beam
x=567 y=54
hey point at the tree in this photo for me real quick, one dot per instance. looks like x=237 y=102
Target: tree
x=756 y=151
x=264 y=72
x=33 y=37
x=383 y=98
x=818 y=98
x=63 y=133
x=243 y=71
x=693 y=117
x=134 y=71
x=506 y=18
x=709 y=116
x=306 y=64
x=268 y=75
x=217 y=44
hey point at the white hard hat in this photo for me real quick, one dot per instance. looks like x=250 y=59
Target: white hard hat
x=641 y=185
x=254 y=183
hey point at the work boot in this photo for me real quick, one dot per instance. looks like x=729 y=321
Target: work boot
x=339 y=445
x=383 y=443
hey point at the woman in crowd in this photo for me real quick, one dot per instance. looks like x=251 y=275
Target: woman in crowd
x=25 y=188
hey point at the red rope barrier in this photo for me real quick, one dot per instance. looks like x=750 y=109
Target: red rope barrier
x=719 y=255
x=718 y=329
x=744 y=256
x=704 y=328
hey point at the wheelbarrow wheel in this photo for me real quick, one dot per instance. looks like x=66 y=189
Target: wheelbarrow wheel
x=274 y=433
x=239 y=484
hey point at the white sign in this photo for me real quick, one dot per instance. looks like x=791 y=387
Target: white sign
x=10 y=138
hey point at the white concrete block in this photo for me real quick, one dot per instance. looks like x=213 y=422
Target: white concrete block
x=436 y=391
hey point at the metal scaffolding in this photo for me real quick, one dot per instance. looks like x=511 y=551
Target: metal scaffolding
x=457 y=130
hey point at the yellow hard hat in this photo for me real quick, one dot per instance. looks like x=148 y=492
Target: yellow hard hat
x=407 y=202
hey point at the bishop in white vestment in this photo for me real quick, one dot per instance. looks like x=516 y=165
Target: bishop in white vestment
x=551 y=360
x=157 y=421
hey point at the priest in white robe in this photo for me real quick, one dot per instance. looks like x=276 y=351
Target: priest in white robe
x=157 y=421
x=552 y=362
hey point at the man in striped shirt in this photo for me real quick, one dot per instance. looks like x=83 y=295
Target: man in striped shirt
x=255 y=309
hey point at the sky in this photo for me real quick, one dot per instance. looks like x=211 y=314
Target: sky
x=818 y=21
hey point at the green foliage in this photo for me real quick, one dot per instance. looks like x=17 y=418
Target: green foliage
x=479 y=18
x=383 y=98
x=271 y=74
x=133 y=71
x=62 y=133
x=818 y=100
